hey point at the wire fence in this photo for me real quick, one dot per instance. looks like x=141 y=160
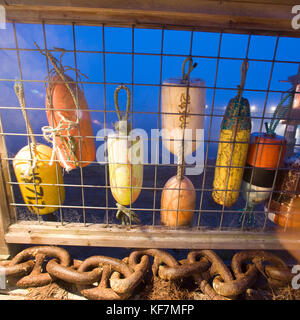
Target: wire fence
x=88 y=191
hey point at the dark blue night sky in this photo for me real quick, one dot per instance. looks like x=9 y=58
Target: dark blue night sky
x=119 y=43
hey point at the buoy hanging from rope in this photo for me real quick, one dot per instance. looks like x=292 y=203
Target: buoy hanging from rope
x=70 y=128
x=34 y=167
x=266 y=154
x=182 y=108
x=178 y=200
x=233 y=147
x=125 y=157
x=183 y=113
x=284 y=207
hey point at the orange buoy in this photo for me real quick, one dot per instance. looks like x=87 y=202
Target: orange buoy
x=265 y=150
x=266 y=153
x=178 y=201
x=70 y=127
x=71 y=122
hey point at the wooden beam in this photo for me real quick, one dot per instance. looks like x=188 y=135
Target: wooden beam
x=265 y=17
x=75 y=234
x=6 y=195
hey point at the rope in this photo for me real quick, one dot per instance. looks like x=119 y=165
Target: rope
x=60 y=72
x=19 y=90
x=180 y=161
x=126 y=215
x=50 y=133
x=186 y=76
x=180 y=151
x=248 y=211
x=278 y=114
x=116 y=95
x=244 y=70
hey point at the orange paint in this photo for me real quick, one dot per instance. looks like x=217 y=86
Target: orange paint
x=64 y=107
x=169 y=201
x=264 y=151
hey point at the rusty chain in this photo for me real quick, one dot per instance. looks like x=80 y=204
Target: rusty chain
x=106 y=278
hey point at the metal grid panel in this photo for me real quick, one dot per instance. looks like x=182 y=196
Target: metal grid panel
x=221 y=218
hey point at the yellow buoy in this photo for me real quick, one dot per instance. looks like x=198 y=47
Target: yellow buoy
x=125 y=157
x=125 y=168
x=31 y=179
x=36 y=172
x=233 y=147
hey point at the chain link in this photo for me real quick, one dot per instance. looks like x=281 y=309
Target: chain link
x=106 y=278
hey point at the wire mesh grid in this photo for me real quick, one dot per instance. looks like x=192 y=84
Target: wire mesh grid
x=88 y=197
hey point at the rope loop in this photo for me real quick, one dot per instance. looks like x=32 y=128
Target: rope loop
x=186 y=76
x=116 y=96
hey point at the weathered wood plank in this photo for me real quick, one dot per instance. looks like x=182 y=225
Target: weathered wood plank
x=5 y=195
x=29 y=232
x=234 y=16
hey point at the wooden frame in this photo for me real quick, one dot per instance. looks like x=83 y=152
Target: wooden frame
x=261 y=17
x=250 y=16
x=145 y=237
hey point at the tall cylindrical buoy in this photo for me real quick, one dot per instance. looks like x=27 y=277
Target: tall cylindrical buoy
x=180 y=111
x=31 y=179
x=284 y=207
x=125 y=157
x=233 y=147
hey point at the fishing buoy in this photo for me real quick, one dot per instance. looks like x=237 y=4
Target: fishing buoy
x=31 y=179
x=33 y=167
x=233 y=147
x=178 y=199
x=183 y=112
x=70 y=127
x=284 y=207
x=266 y=154
x=125 y=156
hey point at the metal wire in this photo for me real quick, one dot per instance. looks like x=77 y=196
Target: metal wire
x=157 y=187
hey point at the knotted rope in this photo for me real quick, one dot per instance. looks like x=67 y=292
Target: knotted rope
x=19 y=90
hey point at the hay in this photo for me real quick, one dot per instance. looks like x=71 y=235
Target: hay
x=159 y=289
x=52 y=291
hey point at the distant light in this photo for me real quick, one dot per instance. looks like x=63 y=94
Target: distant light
x=206 y=106
x=253 y=108
x=273 y=108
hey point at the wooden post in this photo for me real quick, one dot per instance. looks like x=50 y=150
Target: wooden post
x=6 y=196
